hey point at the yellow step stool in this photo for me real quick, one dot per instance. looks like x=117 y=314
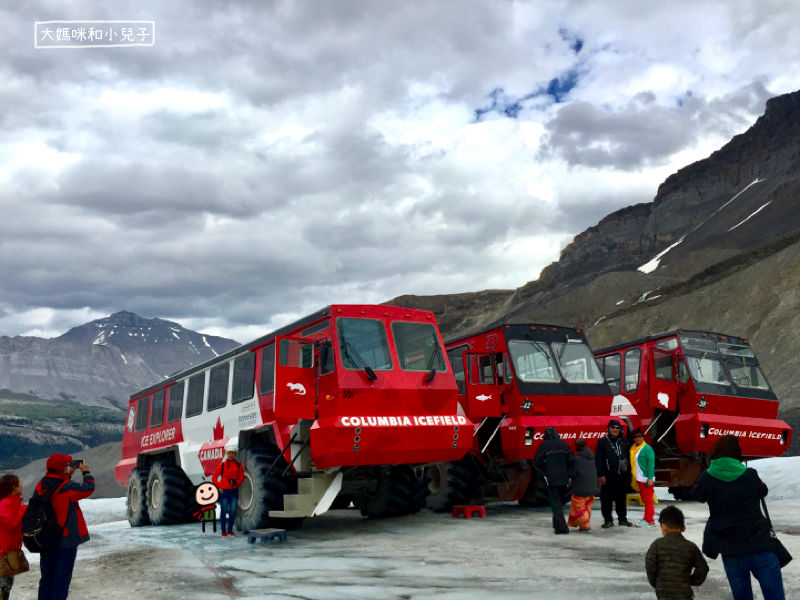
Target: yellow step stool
x=637 y=498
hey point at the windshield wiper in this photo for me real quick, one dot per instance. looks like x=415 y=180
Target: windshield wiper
x=348 y=346
x=431 y=366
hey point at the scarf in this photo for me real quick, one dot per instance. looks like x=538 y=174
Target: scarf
x=634 y=449
x=726 y=469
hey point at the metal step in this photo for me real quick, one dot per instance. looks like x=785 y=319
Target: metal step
x=314 y=496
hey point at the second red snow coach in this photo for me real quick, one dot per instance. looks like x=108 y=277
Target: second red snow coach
x=685 y=389
x=336 y=407
x=514 y=381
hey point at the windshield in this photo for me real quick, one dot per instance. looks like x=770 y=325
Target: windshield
x=736 y=350
x=533 y=361
x=707 y=370
x=747 y=376
x=363 y=340
x=699 y=344
x=577 y=363
x=418 y=347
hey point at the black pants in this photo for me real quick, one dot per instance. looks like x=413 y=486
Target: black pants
x=56 y=567
x=613 y=491
x=557 y=495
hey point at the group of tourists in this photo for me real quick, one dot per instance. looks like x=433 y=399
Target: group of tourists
x=736 y=529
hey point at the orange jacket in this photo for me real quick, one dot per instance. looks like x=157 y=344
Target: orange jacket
x=11 y=511
x=227 y=470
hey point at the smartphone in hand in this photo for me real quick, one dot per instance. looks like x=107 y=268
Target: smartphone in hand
x=75 y=464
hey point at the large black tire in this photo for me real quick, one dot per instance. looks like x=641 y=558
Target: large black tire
x=396 y=493
x=451 y=484
x=137 y=498
x=536 y=493
x=342 y=502
x=419 y=497
x=262 y=492
x=169 y=494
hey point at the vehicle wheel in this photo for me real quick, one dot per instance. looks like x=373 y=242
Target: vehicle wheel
x=137 y=498
x=169 y=494
x=393 y=495
x=422 y=491
x=536 y=493
x=451 y=484
x=342 y=502
x=262 y=492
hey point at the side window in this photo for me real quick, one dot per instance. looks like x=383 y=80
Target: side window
x=267 y=369
x=683 y=372
x=175 y=409
x=142 y=410
x=326 y=358
x=662 y=363
x=633 y=359
x=157 y=410
x=218 y=387
x=481 y=369
x=194 y=400
x=508 y=376
x=292 y=353
x=457 y=362
x=669 y=344
x=244 y=376
x=611 y=371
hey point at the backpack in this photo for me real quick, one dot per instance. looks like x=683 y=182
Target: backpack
x=41 y=531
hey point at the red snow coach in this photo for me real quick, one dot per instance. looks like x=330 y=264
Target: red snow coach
x=688 y=388
x=357 y=395
x=516 y=380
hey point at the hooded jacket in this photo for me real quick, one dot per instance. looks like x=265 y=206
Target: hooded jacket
x=11 y=511
x=65 y=504
x=735 y=525
x=584 y=483
x=227 y=471
x=555 y=459
x=612 y=456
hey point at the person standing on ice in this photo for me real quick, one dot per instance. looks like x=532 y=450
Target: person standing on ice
x=736 y=528
x=613 y=466
x=11 y=510
x=643 y=474
x=584 y=488
x=555 y=459
x=228 y=476
x=57 y=565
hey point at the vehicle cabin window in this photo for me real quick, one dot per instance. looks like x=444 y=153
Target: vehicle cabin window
x=736 y=350
x=662 y=364
x=747 y=375
x=327 y=364
x=633 y=359
x=175 y=409
x=218 y=387
x=683 y=372
x=157 y=410
x=533 y=361
x=362 y=342
x=296 y=354
x=481 y=369
x=142 y=411
x=244 y=377
x=612 y=371
x=457 y=363
x=668 y=344
x=577 y=363
x=194 y=399
x=699 y=344
x=308 y=331
x=707 y=370
x=418 y=347
x=508 y=373
x=267 y=385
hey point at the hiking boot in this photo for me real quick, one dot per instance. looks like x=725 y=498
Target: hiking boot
x=589 y=530
x=625 y=523
x=561 y=531
x=224 y=534
x=230 y=533
x=607 y=525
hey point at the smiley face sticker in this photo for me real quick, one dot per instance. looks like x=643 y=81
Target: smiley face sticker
x=207 y=494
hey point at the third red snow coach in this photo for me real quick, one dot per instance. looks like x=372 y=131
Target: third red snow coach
x=685 y=389
x=336 y=407
x=514 y=381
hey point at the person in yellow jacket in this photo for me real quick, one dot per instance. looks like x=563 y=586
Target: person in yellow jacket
x=643 y=473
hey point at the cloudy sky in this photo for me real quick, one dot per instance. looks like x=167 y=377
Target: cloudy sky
x=264 y=159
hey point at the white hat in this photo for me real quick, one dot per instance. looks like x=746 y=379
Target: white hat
x=234 y=446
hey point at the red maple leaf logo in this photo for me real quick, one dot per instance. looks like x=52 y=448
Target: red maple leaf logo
x=219 y=430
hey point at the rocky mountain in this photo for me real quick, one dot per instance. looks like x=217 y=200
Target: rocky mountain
x=717 y=248
x=101 y=363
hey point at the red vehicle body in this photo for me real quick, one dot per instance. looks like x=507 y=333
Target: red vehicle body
x=514 y=381
x=685 y=389
x=356 y=396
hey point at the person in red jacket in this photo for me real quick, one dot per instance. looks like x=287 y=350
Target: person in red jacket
x=57 y=565
x=11 y=510
x=228 y=476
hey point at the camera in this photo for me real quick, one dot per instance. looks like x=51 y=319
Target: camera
x=75 y=463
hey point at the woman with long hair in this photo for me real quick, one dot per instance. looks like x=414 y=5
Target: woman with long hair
x=736 y=528
x=11 y=510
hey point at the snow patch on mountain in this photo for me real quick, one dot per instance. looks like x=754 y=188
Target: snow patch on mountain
x=651 y=266
x=751 y=216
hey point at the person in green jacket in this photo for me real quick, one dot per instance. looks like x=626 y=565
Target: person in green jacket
x=643 y=473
